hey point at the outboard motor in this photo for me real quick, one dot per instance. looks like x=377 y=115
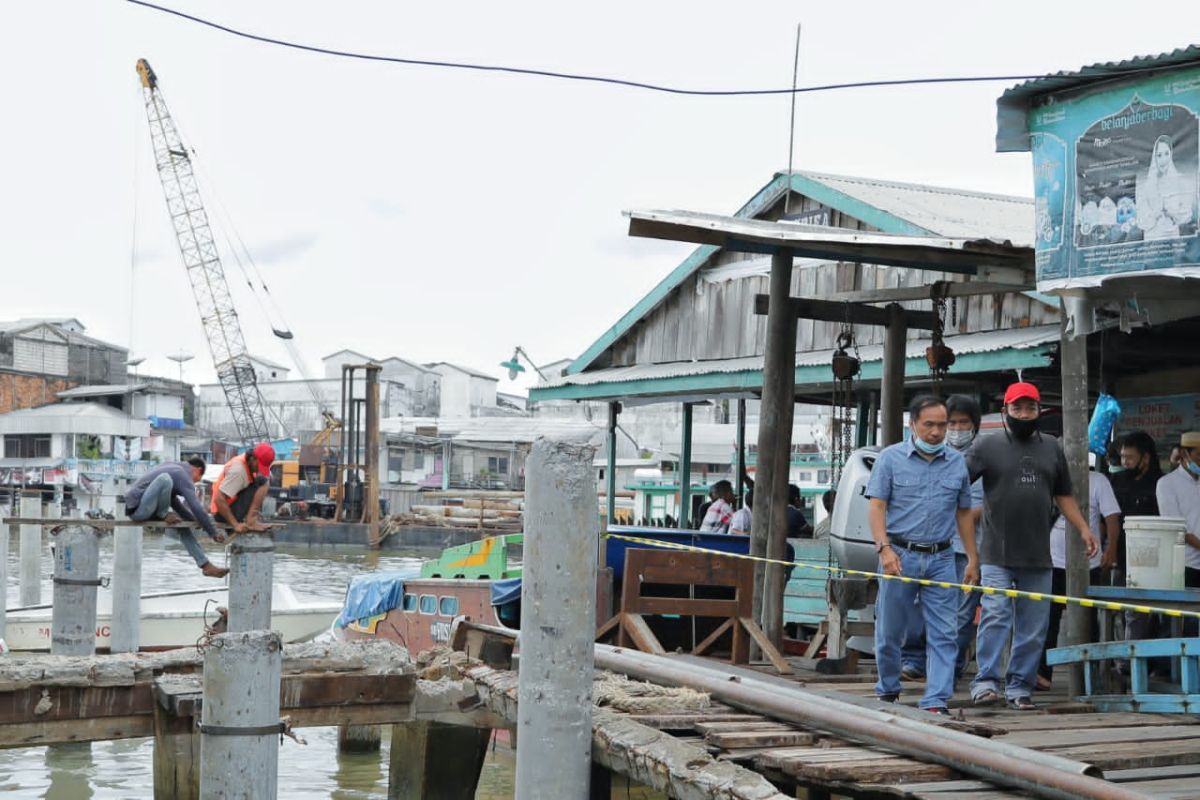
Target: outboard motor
x=850 y=531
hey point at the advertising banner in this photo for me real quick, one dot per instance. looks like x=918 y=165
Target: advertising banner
x=1164 y=418
x=1116 y=188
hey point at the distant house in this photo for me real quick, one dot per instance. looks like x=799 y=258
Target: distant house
x=266 y=370
x=465 y=392
x=421 y=384
x=41 y=357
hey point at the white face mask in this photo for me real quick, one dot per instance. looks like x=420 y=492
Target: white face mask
x=960 y=440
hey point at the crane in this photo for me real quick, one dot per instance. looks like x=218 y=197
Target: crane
x=203 y=264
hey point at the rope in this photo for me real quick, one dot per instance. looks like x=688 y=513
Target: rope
x=1017 y=594
x=637 y=697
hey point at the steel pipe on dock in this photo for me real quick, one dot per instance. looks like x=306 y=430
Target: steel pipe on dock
x=76 y=578
x=1041 y=773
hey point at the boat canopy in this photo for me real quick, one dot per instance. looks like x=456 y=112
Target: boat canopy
x=506 y=591
x=373 y=593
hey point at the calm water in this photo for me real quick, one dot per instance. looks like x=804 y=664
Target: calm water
x=122 y=769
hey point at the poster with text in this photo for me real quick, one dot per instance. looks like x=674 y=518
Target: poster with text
x=1117 y=180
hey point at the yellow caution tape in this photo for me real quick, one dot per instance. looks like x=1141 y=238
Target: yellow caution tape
x=1106 y=605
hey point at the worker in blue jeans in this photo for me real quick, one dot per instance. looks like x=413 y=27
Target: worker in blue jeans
x=963 y=420
x=920 y=494
x=167 y=494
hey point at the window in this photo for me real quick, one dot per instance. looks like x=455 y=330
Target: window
x=410 y=602
x=448 y=606
x=27 y=445
x=428 y=603
x=498 y=465
x=418 y=459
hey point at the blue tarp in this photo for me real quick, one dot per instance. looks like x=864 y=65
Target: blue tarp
x=506 y=591
x=373 y=593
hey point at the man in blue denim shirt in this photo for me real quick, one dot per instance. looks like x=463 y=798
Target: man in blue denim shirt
x=920 y=495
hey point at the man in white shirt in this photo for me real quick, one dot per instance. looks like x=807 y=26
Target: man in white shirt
x=743 y=517
x=1178 y=495
x=1104 y=516
x=720 y=513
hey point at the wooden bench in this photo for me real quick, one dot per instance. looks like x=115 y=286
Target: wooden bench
x=1184 y=699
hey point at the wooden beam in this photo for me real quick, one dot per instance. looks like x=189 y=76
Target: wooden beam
x=829 y=311
x=926 y=292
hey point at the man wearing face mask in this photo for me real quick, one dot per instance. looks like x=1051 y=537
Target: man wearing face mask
x=920 y=496
x=1179 y=496
x=1024 y=475
x=963 y=417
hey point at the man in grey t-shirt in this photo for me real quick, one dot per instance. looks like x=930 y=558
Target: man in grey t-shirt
x=1025 y=476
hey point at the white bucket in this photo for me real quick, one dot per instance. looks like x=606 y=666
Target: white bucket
x=1155 y=550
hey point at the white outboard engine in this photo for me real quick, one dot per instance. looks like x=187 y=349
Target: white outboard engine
x=850 y=531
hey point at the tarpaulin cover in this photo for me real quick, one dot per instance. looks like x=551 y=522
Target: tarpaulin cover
x=506 y=591
x=373 y=593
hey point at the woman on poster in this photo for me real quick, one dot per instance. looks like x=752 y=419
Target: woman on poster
x=1165 y=197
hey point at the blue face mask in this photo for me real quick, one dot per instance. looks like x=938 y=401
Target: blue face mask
x=1193 y=468
x=930 y=449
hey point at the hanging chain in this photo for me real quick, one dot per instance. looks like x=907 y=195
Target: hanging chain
x=938 y=355
x=845 y=368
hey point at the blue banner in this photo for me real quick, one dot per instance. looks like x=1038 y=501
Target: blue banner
x=1116 y=180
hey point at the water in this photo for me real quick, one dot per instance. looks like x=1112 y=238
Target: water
x=123 y=769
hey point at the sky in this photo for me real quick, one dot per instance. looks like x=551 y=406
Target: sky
x=445 y=215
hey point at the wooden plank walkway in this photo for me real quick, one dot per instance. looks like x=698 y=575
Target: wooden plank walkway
x=1154 y=754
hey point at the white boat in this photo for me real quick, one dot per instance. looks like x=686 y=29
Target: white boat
x=176 y=619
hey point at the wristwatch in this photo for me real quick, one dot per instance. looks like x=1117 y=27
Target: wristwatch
x=879 y=547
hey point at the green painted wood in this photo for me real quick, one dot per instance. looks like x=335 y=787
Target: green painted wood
x=813 y=375
x=840 y=201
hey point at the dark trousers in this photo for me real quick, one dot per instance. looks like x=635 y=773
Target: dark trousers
x=1058 y=585
x=241 y=502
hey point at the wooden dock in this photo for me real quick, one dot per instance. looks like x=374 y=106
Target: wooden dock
x=721 y=751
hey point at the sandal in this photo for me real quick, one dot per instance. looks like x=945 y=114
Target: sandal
x=1021 y=704
x=986 y=698
x=1043 y=684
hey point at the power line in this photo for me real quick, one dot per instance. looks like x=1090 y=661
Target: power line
x=570 y=76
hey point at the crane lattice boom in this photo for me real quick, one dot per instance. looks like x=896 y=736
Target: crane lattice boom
x=203 y=264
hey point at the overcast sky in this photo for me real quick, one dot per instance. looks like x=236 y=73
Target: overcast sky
x=449 y=215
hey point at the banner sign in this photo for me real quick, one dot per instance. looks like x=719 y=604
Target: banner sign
x=1116 y=189
x=1164 y=418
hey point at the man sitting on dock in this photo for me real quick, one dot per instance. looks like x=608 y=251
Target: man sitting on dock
x=240 y=489
x=173 y=486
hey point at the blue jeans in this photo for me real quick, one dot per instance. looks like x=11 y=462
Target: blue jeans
x=1024 y=620
x=897 y=603
x=912 y=655
x=154 y=505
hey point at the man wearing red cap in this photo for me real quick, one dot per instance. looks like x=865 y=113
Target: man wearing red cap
x=240 y=489
x=1025 y=477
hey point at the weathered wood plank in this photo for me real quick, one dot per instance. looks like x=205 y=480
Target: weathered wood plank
x=1067 y=735
x=1131 y=755
x=734 y=739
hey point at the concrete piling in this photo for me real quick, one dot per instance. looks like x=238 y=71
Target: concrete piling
x=359 y=738
x=432 y=759
x=251 y=571
x=126 y=589
x=558 y=602
x=239 y=732
x=31 y=552
x=76 y=576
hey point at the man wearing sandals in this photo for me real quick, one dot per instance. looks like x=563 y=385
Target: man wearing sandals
x=1024 y=475
x=920 y=495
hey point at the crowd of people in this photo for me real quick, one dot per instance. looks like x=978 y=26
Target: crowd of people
x=950 y=505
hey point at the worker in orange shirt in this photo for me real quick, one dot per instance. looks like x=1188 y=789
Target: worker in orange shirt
x=240 y=489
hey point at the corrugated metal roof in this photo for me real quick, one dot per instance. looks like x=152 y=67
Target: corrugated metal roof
x=103 y=390
x=91 y=418
x=526 y=429
x=472 y=372
x=1013 y=106
x=957 y=213
x=986 y=342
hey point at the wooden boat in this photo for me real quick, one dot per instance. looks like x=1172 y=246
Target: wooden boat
x=176 y=619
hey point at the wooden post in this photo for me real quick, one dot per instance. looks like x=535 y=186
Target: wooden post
x=610 y=468
x=251 y=568
x=126 y=590
x=431 y=759
x=359 y=738
x=371 y=491
x=601 y=788
x=1073 y=356
x=239 y=733
x=740 y=466
x=31 y=552
x=891 y=404
x=76 y=576
x=176 y=761
x=685 y=469
x=779 y=369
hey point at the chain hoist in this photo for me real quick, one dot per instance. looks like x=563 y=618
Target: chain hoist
x=939 y=357
x=845 y=368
